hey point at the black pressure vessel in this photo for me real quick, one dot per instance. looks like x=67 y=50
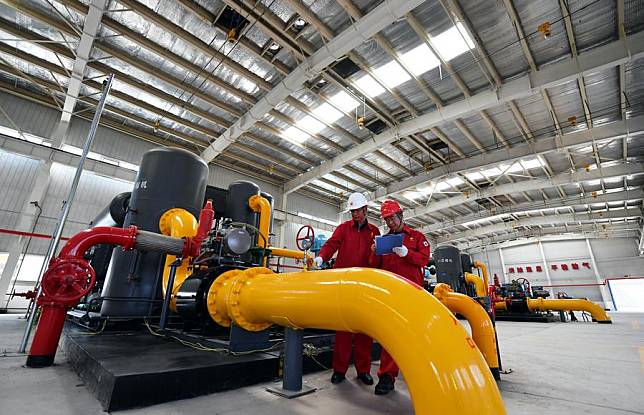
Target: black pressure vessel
x=237 y=202
x=466 y=263
x=168 y=178
x=448 y=266
x=114 y=213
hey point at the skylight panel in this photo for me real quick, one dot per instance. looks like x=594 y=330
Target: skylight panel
x=392 y=74
x=420 y=60
x=442 y=186
x=511 y=168
x=455 y=181
x=413 y=195
x=310 y=124
x=295 y=134
x=344 y=101
x=474 y=176
x=531 y=164
x=453 y=42
x=328 y=113
x=369 y=86
x=593 y=182
x=494 y=171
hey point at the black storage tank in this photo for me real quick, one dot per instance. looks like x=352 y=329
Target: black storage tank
x=237 y=203
x=448 y=266
x=168 y=178
x=466 y=263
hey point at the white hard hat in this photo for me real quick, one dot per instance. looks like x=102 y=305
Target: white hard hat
x=357 y=200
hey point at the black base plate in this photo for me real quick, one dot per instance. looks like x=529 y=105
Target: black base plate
x=533 y=317
x=135 y=369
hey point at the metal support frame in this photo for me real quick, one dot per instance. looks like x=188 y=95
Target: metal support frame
x=168 y=293
x=505 y=274
x=545 y=269
x=53 y=245
x=292 y=378
x=602 y=289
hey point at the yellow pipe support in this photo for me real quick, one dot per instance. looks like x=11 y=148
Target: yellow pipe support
x=178 y=223
x=262 y=206
x=569 y=304
x=501 y=305
x=483 y=268
x=478 y=284
x=483 y=331
x=444 y=370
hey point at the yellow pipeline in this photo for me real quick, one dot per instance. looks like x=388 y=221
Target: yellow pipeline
x=444 y=370
x=262 y=206
x=288 y=253
x=569 y=304
x=483 y=268
x=501 y=305
x=178 y=223
x=478 y=284
x=483 y=331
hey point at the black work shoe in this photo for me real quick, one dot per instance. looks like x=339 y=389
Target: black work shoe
x=365 y=378
x=337 y=377
x=385 y=385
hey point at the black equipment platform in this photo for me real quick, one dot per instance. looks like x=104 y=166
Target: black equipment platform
x=529 y=317
x=134 y=369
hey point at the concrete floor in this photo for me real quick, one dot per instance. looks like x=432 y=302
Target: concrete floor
x=573 y=368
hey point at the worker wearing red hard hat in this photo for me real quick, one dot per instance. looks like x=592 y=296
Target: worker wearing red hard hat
x=352 y=241
x=407 y=261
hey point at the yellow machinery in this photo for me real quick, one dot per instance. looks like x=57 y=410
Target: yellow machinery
x=443 y=368
x=570 y=304
x=480 y=322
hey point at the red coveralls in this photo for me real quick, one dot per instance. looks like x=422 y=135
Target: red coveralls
x=353 y=245
x=409 y=267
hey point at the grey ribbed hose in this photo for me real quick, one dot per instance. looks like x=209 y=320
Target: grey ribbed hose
x=154 y=242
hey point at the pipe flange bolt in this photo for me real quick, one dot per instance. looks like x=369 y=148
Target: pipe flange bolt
x=211 y=303
x=234 y=309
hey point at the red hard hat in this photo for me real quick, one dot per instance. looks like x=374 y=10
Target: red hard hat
x=389 y=207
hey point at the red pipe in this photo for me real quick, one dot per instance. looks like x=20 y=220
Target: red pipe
x=82 y=241
x=29 y=234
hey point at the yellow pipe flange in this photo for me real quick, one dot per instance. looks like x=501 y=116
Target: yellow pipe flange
x=219 y=317
x=234 y=301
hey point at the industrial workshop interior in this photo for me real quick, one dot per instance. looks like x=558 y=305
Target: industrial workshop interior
x=322 y=207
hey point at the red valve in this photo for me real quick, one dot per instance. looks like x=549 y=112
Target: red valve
x=310 y=236
x=68 y=280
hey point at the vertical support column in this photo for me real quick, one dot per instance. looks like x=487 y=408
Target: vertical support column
x=607 y=300
x=545 y=269
x=25 y=223
x=505 y=274
x=292 y=379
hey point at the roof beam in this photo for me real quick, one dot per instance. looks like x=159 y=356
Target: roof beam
x=568 y=202
x=83 y=54
x=528 y=185
x=541 y=221
x=605 y=56
x=522 y=237
x=633 y=126
x=381 y=17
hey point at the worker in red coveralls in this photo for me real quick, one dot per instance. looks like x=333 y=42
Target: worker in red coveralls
x=407 y=261
x=352 y=241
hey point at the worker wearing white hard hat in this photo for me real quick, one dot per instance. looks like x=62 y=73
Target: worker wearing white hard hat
x=352 y=241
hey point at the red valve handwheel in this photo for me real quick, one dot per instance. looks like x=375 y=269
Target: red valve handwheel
x=310 y=235
x=68 y=280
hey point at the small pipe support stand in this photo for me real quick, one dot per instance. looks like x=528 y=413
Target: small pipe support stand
x=292 y=386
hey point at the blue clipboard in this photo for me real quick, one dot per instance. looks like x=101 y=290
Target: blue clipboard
x=385 y=243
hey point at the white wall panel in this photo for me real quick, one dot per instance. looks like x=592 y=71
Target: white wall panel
x=28 y=116
x=17 y=175
x=300 y=203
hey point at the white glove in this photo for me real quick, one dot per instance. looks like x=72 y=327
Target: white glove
x=318 y=261
x=401 y=251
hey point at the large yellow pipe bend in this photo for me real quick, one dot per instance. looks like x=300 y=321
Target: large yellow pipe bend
x=569 y=304
x=444 y=370
x=478 y=284
x=483 y=268
x=483 y=331
x=178 y=223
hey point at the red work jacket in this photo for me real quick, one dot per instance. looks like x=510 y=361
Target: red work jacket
x=410 y=266
x=353 y=245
